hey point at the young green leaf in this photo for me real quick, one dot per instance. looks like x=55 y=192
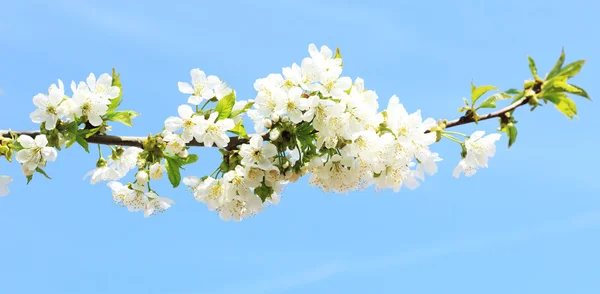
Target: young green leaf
x=476 y=93
x=563 y=103
x=242 y=110
x=558 y=65
x=41 y=171
x=191 y=158
x=511 y=132
x=172 y=166
x=571 y=69
x=115 y=102
x=123 y=117
x=225 y=105
x=239 y=130
x=81 y=140
x=532 y=67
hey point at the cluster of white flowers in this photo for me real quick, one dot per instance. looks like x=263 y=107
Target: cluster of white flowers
x=89 y=102
x=136 y=198
x=310 y=120
x=34 y=154
x=359 y=146
x=479 y=149
x=193 y=125
x=116 y=167
x=236 y=194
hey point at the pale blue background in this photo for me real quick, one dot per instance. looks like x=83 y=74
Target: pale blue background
x=528 y=224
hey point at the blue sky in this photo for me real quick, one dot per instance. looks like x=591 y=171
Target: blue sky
x=528 y=224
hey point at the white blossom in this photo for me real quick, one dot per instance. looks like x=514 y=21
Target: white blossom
x=50 y=108
x=35 y=152
x=156 y=171
x=257 y=154
x=215 y=130
x=202 y=88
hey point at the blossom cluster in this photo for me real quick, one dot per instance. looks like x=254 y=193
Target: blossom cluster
x=89 y=102
x=309 y=120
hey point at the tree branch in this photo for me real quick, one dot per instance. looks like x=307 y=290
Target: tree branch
x=465 y=120
x=236 y=141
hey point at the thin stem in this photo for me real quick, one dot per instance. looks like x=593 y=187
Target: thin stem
x=205 y=103
x=452 y=138
x=456 y=133
x=99 y=152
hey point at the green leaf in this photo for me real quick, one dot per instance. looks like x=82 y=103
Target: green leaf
x=191 y=158
x=511 y=132
x=571 y=69
x=115 y=102
x=123 y=117
x=81 y=140
x=489 y=103
x=240 y=130
x=71 y=133
x=513 y=92
x=567 y=107
x=563 y=103
x=558 y=65
x=240 y=111
x=225 y=105
x=338 y=54
x=476 y=93
x=29 y=178
x=532 y=67
x=173 y=165
x=263 y=192
x=86 y=133
x=41 y=171
x=564 y=87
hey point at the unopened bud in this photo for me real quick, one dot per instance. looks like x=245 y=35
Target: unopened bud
x=268 y=123
x=285 y=119
x=274 y=134
x=275 y=117
x=142 y=177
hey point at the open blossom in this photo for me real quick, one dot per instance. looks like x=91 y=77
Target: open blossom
x=35 y=152
x=202 y=88
x=211 y=192
x=4 y=181
x=102 y=172
x=50 y=108
x=156 y=205
x=175 y=143
x=86 y=103
x=126 y=161
x=102 y=87
x=215 y=130
x=257 y=154
x=480 y=148
x=156 y=171
x=188 y=121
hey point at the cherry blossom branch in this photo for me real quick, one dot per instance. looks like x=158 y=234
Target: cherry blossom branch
x=235 y=141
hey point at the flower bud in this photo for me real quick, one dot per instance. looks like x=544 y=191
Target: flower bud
x=275 y=117
x=142 y=177
x=267 y=122
x=274 y=134
x=285 y=119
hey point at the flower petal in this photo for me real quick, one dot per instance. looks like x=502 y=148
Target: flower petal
x=185 y=111
x=185 y=88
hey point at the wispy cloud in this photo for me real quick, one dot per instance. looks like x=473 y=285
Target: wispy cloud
x=282 y=283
